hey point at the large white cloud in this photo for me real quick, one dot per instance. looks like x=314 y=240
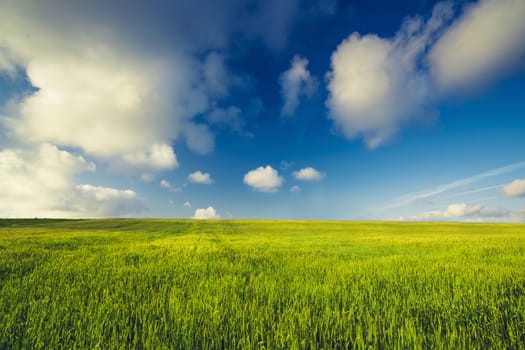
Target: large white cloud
x=264 y=179
x=515 y=189
x=200 y=178
x=296 y=82
x=377 y=85
x=308 y=174
x=484 y=44
x=207 y=213
x=40 y=182
x=100 y=86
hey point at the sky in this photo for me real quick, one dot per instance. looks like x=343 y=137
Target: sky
x=298 y=109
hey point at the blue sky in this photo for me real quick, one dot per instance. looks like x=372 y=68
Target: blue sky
x=327 y=109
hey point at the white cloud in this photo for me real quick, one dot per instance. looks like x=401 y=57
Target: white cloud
x=458 y=210
x=157 y=157
x=187 y=204
x=165 y=184
x=208 y=213
x=264 y=179
x=101 y=87
x=375 y=84
x=465 y=212
x=378 y=85
x=296 y=82
x=96 y=201
x=40 y=182
x=200 y=178
x=295 y=188
x=515 y=189
x=484 y=44
x=308 y=174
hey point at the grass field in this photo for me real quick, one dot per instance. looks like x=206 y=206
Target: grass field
x=186 y=284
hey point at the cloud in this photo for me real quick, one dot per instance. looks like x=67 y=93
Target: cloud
x=465 y=212
x=157 y=157
x=165 y=184
x=216 y=77
x=308 y=174
x=144 y=84
x=459 y=210
x=296 y=82
x=40 y=182
x=515 y=189
x=96 y=201
x=187 y=204
x=264 y=179
x=295 y=188
x=486 y=43
x=230 y=116
x=208 y=213
x=199 y=138
x=200 y=177
x=378 y=85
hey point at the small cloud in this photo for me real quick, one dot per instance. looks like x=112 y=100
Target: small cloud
x=208 y=213
x=515 y=189
x=264 y=179
x=295 y=188
x=187 y=204
x=308 y=174
x=168 y=185
x=296 y=82
x=199 y=177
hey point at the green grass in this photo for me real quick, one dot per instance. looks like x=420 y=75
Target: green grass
x=184 y=284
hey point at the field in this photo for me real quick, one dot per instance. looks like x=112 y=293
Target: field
x=186 y=284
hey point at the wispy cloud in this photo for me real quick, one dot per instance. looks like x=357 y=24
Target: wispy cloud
x=432 y=192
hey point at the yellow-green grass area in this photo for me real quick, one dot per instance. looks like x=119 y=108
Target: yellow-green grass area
x=187 y=284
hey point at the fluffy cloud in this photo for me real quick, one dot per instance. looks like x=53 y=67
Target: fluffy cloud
x=264 y=179
x=484 y=44
x=40 y=182
x=200 y=178
x=208 y=213
x=377 y=85
x=96 y=201
x=308 y=174
x=515 y=189
x=187 y=204
x=296 y=82
x=99 y=86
